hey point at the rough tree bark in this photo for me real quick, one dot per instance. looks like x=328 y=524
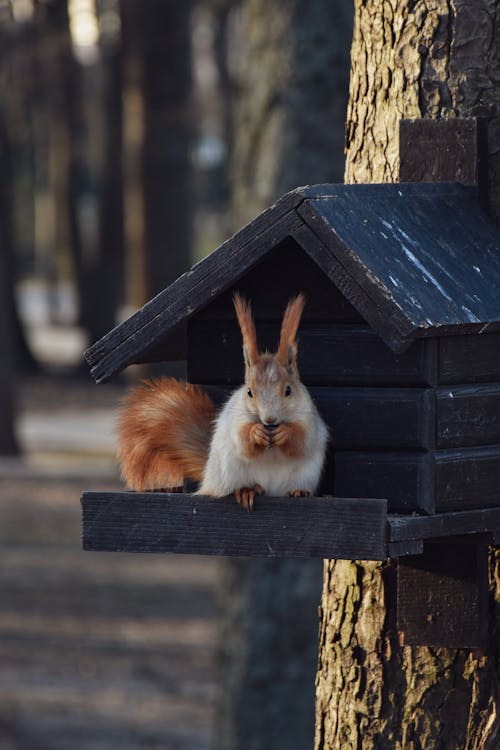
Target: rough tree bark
x=288 y=132
x=433 y=58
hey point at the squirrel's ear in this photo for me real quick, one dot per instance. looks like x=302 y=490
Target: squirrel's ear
x=287 y=348
x=247 y=327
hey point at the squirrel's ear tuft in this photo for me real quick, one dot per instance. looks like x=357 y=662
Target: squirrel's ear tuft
x=287 y=348
x=247 y=327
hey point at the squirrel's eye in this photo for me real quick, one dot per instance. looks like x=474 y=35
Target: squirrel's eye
x=249 y=393
x=288 y=390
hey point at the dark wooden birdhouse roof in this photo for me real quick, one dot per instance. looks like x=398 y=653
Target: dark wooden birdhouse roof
x=415 y=260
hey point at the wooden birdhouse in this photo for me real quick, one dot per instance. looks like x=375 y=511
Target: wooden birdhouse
x=399 y=345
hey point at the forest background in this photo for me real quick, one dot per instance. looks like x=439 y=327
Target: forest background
x=134 y=138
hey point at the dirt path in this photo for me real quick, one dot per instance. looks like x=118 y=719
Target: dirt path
x=97 y=651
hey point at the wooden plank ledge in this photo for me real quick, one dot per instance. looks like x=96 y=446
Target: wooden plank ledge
x=324 y=527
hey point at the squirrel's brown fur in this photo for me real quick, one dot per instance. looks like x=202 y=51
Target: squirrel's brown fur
x=163 y=434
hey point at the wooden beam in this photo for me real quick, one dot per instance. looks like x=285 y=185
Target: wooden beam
x=469 y=359
x=215 y=354
x=324 y=527
x=405 y=478
x=449 y=150
x=442 y=589
x=481 y=521
x=468 y=415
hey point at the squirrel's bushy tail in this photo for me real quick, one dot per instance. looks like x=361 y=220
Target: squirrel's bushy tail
x=164 y=431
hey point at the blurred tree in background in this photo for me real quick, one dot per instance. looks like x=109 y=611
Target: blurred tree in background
x=97 y=135
x=134 y=137
x=164 y=27
x=7 y=369
x=97 y=104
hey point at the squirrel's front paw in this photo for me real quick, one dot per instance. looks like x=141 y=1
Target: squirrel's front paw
x=259 y=435
x=246 y=495
x=254 y=439
x=299 y=493
x=280 y=435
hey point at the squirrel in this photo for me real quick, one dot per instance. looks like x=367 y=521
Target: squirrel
x=268 y=438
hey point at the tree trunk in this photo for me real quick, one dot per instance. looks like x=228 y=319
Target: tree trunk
x=430 y=59
x=8 y=444
x=62 y=89
x=289 y=125
x=166 y=60
x=16 y=90
x=103 y=266
x=288 y=132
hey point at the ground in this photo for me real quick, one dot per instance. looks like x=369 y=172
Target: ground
x=97 y=650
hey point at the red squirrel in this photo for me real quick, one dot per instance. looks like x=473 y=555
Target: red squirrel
x=267 y=438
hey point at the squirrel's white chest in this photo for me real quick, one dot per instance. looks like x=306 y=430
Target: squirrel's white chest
x=276 y=473
x=228 y=468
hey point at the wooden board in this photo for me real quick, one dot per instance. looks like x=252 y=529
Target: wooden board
x=369 y=418
x=468 y=415
x=425 y=253
x=406 y=479
x=467 y=478
x=485 y=521
x=277 y=527
x=377 y=418
x=469 y=359
x=329 y=354
x=448 y=150
x=437 y=481
x=442 y=596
